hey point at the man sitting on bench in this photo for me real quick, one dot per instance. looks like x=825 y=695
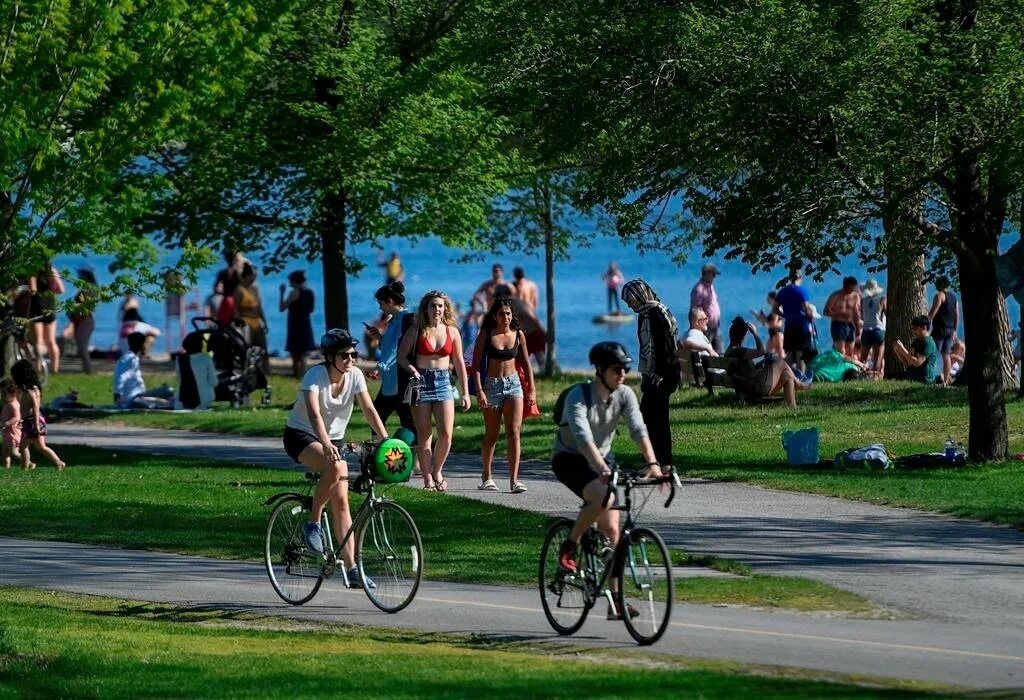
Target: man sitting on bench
x=758 y=373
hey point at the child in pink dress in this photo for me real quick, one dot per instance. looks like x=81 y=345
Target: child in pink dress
x=10 y=420
x=33 y=425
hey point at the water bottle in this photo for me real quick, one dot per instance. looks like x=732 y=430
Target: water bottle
x=950 y=451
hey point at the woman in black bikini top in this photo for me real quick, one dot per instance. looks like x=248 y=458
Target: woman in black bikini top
x=500 y=393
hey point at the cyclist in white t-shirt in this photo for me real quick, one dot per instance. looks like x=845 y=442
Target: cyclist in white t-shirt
x=315 y=433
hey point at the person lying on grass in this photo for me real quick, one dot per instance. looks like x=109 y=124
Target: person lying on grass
x=760 y=373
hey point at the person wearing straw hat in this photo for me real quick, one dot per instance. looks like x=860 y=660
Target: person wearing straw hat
x=872 y=335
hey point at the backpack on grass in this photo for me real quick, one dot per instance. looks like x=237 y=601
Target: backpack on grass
x=870 y=458
x=588 y=399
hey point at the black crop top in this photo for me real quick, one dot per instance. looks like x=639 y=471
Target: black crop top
x=494 y=353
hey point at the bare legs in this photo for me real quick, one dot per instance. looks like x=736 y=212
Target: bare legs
x=511 y=411
x=332 y=488
x=46 y=340
x=432 y=454
x=40 y=444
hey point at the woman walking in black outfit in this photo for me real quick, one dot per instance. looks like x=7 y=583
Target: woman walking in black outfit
x=659 y=363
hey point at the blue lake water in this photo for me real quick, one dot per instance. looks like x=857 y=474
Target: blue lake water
x=429 y=264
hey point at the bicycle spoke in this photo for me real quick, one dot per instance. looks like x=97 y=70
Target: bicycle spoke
x=295 y=571
x=390 y=557
x=564 y=595
x=646 y=585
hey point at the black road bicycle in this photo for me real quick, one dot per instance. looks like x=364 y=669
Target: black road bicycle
x=388 y=548
x=635 y=576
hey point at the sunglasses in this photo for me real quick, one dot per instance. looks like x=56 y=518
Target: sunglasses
x=619 y=369
x=351 y=354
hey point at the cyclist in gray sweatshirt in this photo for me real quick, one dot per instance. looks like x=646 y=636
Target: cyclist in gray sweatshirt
x=590 y=415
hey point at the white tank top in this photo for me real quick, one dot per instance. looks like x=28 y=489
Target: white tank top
x=870 y=311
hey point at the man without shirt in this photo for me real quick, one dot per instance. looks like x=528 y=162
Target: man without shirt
x=526 y=289
x=843 y=307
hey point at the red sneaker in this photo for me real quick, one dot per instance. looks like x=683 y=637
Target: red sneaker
x=567 y=556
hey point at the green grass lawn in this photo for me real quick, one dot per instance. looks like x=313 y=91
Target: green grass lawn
x=60 y=645
x=717 y=438
x=215 y=509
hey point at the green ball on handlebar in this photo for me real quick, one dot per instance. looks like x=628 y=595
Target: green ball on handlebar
x=392 y=462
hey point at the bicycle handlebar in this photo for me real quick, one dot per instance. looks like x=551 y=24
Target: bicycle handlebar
x=617 y=478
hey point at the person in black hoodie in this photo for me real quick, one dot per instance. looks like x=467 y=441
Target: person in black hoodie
x=659 y=363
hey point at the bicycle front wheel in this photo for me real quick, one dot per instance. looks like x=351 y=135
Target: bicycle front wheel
x=295 y=570
x=645 y=586
x=389 y=553
x=563 y=594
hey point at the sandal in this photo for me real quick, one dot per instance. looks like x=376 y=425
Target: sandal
x=488 y=485
x=429 y=487
x=441 y=486
x=517 y=487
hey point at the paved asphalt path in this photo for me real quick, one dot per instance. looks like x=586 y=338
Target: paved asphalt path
x=961 y=579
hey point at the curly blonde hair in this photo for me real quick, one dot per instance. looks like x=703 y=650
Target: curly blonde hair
x=422 y=318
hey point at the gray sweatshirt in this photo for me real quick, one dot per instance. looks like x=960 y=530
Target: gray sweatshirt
x=599 y=423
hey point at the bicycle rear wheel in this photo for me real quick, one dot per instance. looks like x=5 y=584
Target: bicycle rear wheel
x=646 y=583
x=563 y=595
x=295 y=571
x=389 y=553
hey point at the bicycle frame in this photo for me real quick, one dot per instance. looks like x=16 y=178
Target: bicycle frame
x=618 y=561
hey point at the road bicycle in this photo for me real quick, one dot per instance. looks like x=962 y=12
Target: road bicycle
x=388 y=548
x=639 y=564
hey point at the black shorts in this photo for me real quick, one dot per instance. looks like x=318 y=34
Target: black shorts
x=944 y=339
x=574 y=471
x=796 y=339
x=295 y=441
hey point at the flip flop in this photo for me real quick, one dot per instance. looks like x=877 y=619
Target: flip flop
x=488 y=485
x=441 y=486
x=429 y=487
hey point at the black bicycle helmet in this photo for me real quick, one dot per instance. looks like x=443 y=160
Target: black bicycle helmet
x=609 y=353
x=336 y=340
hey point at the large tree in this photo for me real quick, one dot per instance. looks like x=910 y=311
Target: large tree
x=88 y=91
x=789 y=130
x=361 y=126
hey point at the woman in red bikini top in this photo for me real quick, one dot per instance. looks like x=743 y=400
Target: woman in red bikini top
x=433 y=341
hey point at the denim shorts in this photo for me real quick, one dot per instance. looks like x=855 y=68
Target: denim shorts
x=498 y=389
x=437 y=386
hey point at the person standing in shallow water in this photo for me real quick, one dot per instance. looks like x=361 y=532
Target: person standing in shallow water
x=657 y=329
x=613 y=281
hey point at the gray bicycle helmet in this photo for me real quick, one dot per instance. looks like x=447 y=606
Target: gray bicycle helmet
x=336 y=340
x=609 y=353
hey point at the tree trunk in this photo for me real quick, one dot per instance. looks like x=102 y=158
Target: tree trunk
x=977 y=223
x=905 y=293
x=1006 y=349
x=333 y=239
x=551 y=361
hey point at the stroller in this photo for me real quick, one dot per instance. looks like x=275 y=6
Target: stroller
x=238 y=364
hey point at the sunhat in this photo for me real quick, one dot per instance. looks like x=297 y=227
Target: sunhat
x=709 y=267
x=871 y=288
